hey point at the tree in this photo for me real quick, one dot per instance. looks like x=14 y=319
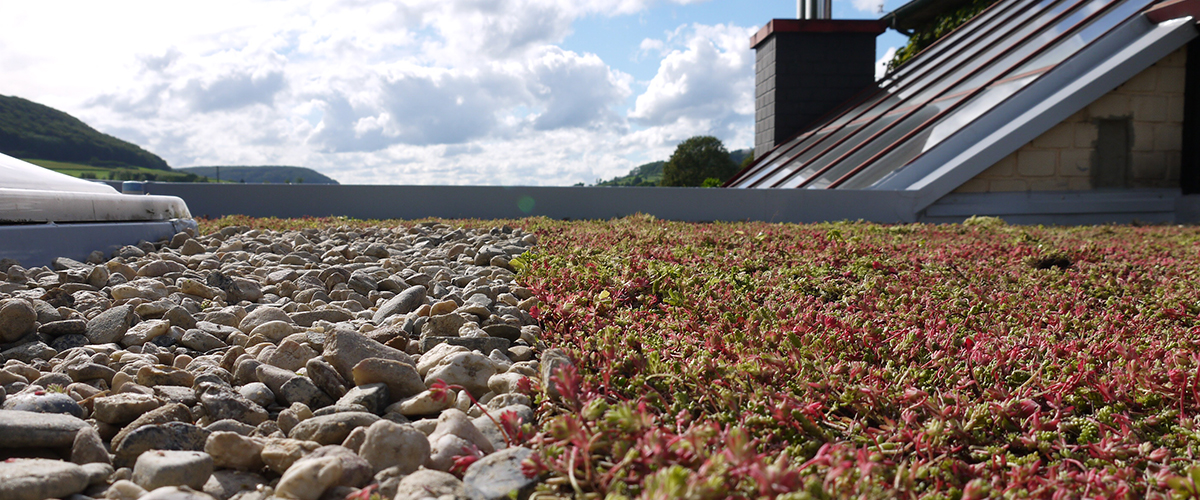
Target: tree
x=746 y=162
x=696 y=160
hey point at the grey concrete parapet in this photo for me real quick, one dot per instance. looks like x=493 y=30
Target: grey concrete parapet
x=503 y=202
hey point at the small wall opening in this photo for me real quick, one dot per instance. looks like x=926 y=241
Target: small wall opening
x=1111 y=168
x=1189 y=169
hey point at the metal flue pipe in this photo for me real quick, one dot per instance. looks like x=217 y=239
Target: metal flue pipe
x=814 y=9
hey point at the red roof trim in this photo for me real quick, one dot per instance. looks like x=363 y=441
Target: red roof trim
x=817 y=26
x=1174 y=9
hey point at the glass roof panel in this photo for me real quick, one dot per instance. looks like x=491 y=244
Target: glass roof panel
x=1096 y=29
x=931 y=136
x=998 y=92
x=864 y=152
x=1018 y=44
x=830 y=152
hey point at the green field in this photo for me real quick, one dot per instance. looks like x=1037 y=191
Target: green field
x=119 y=173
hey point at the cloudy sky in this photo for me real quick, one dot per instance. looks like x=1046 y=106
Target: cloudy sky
x=483 y=92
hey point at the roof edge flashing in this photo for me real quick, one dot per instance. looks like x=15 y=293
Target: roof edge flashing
x=1174 y=9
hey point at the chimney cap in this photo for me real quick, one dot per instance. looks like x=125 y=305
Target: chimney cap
x=874 y=26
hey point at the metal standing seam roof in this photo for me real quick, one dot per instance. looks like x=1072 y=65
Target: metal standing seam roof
x=977 y=95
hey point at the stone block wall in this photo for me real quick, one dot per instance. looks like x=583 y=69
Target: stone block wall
x=1065 y=158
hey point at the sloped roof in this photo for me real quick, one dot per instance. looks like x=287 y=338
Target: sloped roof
x=977 y=95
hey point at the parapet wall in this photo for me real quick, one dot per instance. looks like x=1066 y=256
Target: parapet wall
x=681 y=204
x=498 y=202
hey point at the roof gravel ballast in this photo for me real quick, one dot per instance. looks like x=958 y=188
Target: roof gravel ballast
x=45 y=214
x=976 y=96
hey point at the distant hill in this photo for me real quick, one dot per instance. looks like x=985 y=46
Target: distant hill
x=642 y=175
x=31 y=130
x=740 y=155
x=651 y=173
x=117 y=173
x=267 y=174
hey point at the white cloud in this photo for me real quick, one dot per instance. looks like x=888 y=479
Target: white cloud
x=235 y=90
x=421 y=106
x=375 y=91
x=868 y=6
x=652 y=46
x=704 y=85
x=575 y=90
x=882 y=64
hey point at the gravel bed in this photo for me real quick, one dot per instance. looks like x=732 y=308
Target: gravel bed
x=249 y=364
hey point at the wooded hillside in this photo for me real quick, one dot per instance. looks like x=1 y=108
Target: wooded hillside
x=31 y=130
x=269 y=174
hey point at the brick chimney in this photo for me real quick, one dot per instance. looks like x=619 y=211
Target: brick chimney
x=807 y=67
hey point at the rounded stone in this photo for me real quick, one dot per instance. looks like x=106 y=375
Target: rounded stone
x=64 y=327
x=152 y=375
x=259 y=393
x=424 y=403
x=233 y=451
x=356 y=471
x=260 y=316
x=331 y=429
x=345 y=348
x=176 y=493
x=292 y=415
x=109 y=326
x=177 y=436
x=499 y=475
x=38 y=479
x=221 y=402
x=403 y=303
x=17 y=319
x=224 y=484
x=429 y=483
x=274 y=330
x=388 y=444
x=158 y=468
x=470 y=370
x=44 y=402
x=123 y=408
x=200 y=340
x=309 y=479
x=280 y=454
x=401 y=378
x=23 y=429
